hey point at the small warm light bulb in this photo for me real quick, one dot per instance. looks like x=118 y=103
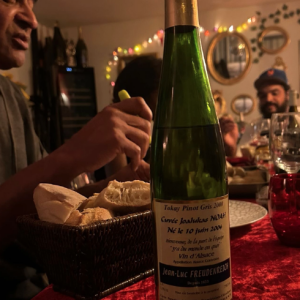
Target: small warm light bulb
x=249 y=20
x=149 y=40
x=108 y=69
x=239 y=29
x=125 y=51
x=109 y=63
x=130 y=50
x=107 y=76
x=145 y=44
x=224 y=28
x=112 y=83
x=155 y=37
x=245 y=26
x=206 y=33
x=119 y=49
x=137 y=48
x=231 y=28
x=116 y=58
x=201 y=29
x=216 y=29
x=220 y=29
x=253 y=19
x=115 y=53
x=160 y=33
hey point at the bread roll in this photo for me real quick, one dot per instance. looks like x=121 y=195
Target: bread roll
x=55 y=203
x=88 y=216
x=124 y=197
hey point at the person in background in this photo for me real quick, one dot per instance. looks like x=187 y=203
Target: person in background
x=230 y=135
x=273 y=95
x=272 y=92
x=140 y=77
x=24 y=163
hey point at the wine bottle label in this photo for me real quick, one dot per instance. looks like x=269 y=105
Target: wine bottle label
x=193 y=249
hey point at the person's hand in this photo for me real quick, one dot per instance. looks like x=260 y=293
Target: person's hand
x=127 y=174
x=123 y=127
x=230 y=134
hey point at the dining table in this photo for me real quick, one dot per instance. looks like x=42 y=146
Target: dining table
x=262 y=269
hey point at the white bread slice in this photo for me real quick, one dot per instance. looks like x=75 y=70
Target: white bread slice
x=56 y=203
x=89 y=203
x=124 y=197
x=88 y=216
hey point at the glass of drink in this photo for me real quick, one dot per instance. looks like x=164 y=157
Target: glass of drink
x=260 y=140
x=285 y=141
x=284 y=207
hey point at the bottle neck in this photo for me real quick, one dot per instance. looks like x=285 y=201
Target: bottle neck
x=181 y=12
x=80 y=33
x=293 y=96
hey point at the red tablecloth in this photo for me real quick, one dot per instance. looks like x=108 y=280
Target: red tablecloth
x=262 y=269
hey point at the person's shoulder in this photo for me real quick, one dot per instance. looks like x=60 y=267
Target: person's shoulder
x=7 y=84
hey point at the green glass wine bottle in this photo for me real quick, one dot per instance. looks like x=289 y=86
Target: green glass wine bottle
x=188 y=170
x=293 y=96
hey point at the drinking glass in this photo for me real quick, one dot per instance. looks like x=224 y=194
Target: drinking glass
x=260 y=140
x=284 y=207
x=285 y=141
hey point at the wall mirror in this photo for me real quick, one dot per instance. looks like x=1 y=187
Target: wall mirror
x=273 y=40
x=243 y=104
x=228 y=57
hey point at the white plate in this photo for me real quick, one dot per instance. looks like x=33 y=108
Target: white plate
x=242 y=213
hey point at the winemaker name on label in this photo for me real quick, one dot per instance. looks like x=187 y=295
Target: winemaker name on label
x=193 y=240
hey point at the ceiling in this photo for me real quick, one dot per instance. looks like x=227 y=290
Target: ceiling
x=84 y=12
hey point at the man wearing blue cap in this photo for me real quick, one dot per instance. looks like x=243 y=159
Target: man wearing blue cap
x=272 y=91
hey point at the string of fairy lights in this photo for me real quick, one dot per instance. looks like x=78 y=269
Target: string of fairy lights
x=158 y=38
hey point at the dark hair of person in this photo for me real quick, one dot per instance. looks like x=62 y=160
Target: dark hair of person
x=140 y=78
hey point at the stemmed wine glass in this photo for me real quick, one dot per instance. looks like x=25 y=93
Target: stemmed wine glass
x=285 y=141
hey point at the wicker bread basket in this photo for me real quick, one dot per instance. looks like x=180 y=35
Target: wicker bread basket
x=93 y=261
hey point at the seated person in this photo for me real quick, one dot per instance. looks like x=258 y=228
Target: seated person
x=139 y=77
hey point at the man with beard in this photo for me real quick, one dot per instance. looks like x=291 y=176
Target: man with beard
x=272 y=91
x=273 y=94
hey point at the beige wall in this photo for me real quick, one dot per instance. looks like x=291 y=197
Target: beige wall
x=101 y=40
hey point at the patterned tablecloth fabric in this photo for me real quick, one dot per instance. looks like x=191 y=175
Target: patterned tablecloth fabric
x=262 y=269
